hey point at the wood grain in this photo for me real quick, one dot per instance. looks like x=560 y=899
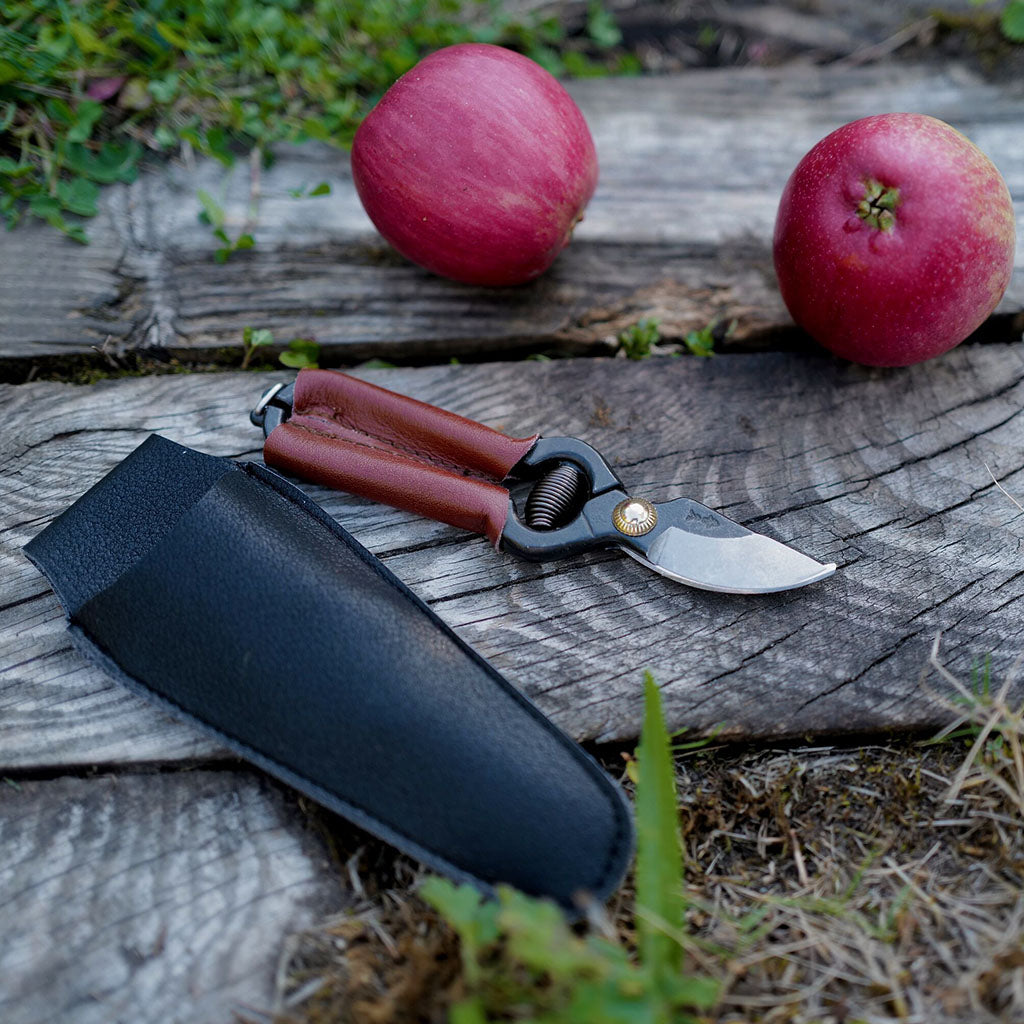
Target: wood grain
x=58 y=297
x=151 y=899
x=692 y=166
x=886 y=472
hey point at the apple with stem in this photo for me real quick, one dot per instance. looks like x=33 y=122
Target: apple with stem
x=894 y=239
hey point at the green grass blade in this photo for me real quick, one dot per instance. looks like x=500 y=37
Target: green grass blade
x=659 y=857
x=1012 y=21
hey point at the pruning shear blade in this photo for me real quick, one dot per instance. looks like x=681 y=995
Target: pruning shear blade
x=748 y=564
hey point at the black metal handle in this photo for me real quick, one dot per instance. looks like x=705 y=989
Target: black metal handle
x=274 y=407
x=599 y=474
x=589 y=529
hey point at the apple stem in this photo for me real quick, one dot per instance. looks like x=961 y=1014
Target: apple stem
x=876 y=208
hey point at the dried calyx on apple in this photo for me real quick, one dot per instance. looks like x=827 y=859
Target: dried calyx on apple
x=876 y=208
x=894 y=239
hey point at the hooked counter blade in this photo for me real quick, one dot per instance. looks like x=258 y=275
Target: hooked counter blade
x=698 y=546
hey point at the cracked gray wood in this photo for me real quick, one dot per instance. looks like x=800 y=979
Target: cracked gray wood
x=151 y=899
x=692 y=166
x=886 y=472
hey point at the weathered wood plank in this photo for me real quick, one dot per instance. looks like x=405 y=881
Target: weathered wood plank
x=691 y=170
x=151 y=898
x=58 y=297
x=692 y=166
x=883 y=472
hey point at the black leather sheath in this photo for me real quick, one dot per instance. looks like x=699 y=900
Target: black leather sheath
x=224 y=593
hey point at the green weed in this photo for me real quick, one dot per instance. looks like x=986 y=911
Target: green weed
x=323 y=189
x=212 y=213
x=301 y=354
x=637 y=340
x=253 y=339
x=702 y=342
x=993 y=723
x=1011 y=21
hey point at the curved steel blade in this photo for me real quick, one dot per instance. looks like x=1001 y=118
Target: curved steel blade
x=701 y=548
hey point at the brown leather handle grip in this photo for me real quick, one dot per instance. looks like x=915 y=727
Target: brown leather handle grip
x=354 y=436
x=389 y=477
x=382 y=418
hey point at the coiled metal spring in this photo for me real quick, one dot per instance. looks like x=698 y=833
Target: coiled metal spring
x=556 y=497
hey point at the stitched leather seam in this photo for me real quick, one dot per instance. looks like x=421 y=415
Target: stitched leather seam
x=423 y=458
x=618 y=843
x=429 y=457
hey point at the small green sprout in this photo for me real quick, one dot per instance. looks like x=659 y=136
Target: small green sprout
x=323 y=189
x=637 y=340
x=253 y=339
x=213 y=214
x=601 y=26
x=702 y=342
x=301 y=354
x=1012 y=21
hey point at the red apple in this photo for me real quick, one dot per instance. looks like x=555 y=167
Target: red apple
x=894 y=239
x=476 y=164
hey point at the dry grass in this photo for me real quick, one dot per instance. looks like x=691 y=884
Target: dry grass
x=387 y=960
x=865 y=884
x=827 y=885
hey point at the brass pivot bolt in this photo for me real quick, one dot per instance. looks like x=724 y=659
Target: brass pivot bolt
x=634 y=517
